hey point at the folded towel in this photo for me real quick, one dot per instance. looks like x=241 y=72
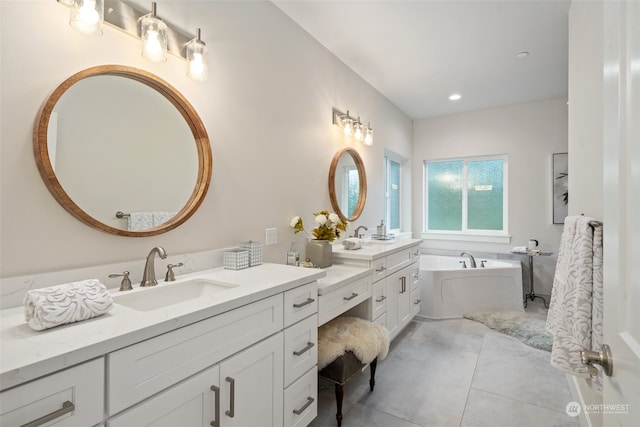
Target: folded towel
x=352 y=243
x=519 y=250
x=71 y=302
x=140 y=221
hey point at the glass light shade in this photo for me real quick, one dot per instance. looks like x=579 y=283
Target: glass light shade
x=154 y=38
x=368 y=135
x=347 y=126
x=197 y=67
x=357 y=131
x=86 y=16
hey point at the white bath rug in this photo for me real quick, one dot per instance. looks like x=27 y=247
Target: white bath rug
x=527 y=327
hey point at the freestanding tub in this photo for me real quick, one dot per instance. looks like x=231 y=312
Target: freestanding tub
x=450 y=291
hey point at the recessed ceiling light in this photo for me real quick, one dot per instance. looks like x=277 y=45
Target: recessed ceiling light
x=522 y=54
x=455 y=97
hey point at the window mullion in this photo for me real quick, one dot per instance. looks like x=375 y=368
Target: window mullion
x=464 y=196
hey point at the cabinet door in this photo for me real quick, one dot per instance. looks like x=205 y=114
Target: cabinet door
x=192 y=403
x=393 y=285
x=251 y=384
x=404 y=297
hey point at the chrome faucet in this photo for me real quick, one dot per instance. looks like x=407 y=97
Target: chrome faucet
x=356 y=234
x=149 y=275
x=472 y=260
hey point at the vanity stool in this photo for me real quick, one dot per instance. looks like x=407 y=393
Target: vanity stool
x=347 y=345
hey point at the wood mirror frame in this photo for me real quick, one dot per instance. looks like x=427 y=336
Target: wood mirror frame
x=186 y=110
x=362 y=189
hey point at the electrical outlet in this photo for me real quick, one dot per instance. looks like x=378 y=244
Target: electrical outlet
x=271 y=236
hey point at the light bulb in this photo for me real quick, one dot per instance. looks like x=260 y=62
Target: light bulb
x=86 y=16
x=152 y=48
x=348 y=126
x=368 y=135
x=357 y=133
x=197 y=67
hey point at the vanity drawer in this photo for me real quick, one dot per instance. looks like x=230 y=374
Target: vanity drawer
x=399 y=260
x=342 y=299
x=76 y=394
x=378 y=298
x=379 y=267
x=299 y=408
x=300 y=302
x=300 y=348
x=148 y=367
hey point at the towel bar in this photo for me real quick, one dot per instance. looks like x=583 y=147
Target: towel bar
x=121 y=214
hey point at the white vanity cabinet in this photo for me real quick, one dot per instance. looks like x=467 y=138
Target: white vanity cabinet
x=395 y=288
x=72 y=397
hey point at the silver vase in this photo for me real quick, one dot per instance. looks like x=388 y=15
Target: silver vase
x=320 y=253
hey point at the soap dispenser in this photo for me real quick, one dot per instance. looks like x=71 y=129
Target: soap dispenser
x=382 y=229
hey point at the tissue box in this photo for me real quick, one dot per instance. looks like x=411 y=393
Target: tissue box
x=236 y=259
x=255 y=252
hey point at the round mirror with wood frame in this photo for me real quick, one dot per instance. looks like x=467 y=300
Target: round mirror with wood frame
x=187 y=162
x=347 y=184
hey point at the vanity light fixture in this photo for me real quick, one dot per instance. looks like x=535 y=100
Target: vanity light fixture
x=197 y=67
x=158 y=37
x=153 y=32
x=353 y=127
x=85 y=16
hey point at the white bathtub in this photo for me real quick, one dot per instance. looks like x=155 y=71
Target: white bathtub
x=449 y=291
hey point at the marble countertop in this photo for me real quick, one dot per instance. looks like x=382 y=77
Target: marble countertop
x=26 y=354
x=374 y=249
x=338 y=275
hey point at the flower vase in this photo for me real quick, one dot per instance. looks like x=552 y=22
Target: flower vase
x=320 y=253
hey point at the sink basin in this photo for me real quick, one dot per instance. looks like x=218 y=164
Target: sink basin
x=379 y=242
x=161 y=296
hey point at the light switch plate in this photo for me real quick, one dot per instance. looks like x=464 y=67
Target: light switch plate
x=271 y=236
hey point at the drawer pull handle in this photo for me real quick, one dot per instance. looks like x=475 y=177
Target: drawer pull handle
x=383 y=268
x=353 y=295
x=232 y=399
x=307 y=302
x=216 y=406
x=403 y=283
x=310 y=400
x=418 y=301
x=382 y=298
x=308 y=347
x=67 y=407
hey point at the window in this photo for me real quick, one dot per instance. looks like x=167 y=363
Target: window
x=351 y=190
x=392 y=191
x=466 y=196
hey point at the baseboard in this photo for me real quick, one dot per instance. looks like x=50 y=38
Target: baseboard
x=585 y=396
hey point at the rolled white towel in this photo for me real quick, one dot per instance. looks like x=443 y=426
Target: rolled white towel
x=519 y=250
x=352 y=243
x=67 y=303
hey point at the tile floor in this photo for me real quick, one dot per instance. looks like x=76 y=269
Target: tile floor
x=454 y=373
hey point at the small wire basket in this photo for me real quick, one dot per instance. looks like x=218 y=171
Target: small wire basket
x=255 y=252
x=236 y=259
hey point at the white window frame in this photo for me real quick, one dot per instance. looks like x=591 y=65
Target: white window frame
x=488 y=236
x=389 y=155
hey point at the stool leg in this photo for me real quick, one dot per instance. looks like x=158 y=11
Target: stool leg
x=372 y=367
x=339 y=396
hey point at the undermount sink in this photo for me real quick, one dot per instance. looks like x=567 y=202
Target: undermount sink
x=168 y=294
x=380 y=242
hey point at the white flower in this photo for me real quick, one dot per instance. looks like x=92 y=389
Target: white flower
x=294 y=221
x=321 y=219
x=334 y=218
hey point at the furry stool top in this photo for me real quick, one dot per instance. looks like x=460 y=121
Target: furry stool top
x=365 y=339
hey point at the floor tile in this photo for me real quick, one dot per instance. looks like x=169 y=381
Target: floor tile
x=489 y=410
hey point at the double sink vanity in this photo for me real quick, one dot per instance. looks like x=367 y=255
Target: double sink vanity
x=216 y=347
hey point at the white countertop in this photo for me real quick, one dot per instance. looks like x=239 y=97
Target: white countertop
x=338 y=274
x=26 y=354
x=374 y=249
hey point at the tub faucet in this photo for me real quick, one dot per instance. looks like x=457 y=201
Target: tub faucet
x=472 y=260
x=356 y=234
x=149 y=275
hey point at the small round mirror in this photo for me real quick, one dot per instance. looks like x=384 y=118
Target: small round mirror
x=347 y=184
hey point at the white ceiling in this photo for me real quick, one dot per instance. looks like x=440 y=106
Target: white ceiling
x=418 y=52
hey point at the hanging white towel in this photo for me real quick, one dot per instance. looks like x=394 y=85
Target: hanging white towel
x=140 y=221
x=67 y=303
x=160 y=217
x=575 y=312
